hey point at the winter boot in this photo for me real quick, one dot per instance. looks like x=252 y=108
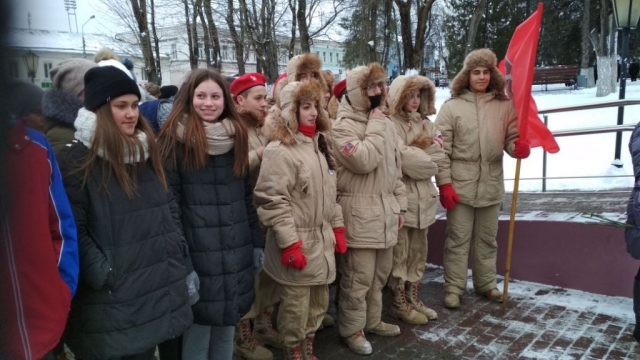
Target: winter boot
x=358 y=343
x=400 y=309
x=636 y=307
x=451 y=300
x=307 y=348
x=384 y=329
x=494 y=295
x=413 y=298
x=293 y=353
x=264 y=332
x=246 y=347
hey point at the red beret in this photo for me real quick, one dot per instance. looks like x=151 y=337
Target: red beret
x=339 y=87
x=245 y=82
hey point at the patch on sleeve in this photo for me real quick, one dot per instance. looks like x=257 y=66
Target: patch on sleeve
x=349 y=149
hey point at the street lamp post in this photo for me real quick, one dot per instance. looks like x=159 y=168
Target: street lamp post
x=627 y=13
x=84 y=45
x=31 y=63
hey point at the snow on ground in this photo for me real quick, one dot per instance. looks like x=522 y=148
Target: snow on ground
x=585 y=155
x=580 y=301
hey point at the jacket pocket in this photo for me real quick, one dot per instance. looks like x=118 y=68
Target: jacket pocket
x=496 y=170
x=366 y=222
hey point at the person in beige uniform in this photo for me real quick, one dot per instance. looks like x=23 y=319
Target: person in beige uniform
x=478 y=124
x=373 y=199
x=296 y=198
x=300 y=68
x=411 y=100
x=249 y=94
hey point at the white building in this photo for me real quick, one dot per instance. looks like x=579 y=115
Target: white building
x=51 y=47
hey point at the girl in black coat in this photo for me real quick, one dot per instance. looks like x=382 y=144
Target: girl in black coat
x=206 y=153
x=133 y=294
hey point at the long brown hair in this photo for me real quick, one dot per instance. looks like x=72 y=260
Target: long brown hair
x=112 y=142
x=195 y=156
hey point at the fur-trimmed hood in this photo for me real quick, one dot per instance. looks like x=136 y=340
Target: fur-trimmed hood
x=359 y=79
x=401 y=89
x=298 y=64
x=281 y=124
x=480 y=57
x=250 y=118
x=329 y=80
x=60 y=108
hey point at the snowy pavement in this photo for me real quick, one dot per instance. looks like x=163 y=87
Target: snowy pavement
x=540 y=322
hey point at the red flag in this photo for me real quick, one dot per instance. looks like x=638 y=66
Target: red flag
x=518 y=66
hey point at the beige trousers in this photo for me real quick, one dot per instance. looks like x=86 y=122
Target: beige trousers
x=364 y=274
x=476 y=228
x=266 y=296
x=301 y=311
x=409 y=257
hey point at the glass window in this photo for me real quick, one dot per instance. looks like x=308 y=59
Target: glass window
x=47 y=69
x=174 y=51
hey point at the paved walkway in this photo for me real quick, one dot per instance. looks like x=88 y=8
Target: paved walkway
x=540 y=322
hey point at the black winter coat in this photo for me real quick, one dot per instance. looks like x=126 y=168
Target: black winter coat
x=132 y=293
x=221 y=227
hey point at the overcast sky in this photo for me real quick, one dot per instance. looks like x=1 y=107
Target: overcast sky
x=51 y=15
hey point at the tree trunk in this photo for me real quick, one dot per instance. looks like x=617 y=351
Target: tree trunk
x=373 y=21
x=193 y=60
x=302 y=25
x=473 y=26
x=214 y=40
x=237 y=41
x=586 y=49
x=194 y=33
x=139 y=8
x=605 y=75
x=386 y=45
x=205 y=35
x=414 y=52
x=156 y=42
x=292 y=42
x=395 y=28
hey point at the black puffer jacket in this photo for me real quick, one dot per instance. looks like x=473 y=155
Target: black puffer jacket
x=222 y=229
x=133 y=293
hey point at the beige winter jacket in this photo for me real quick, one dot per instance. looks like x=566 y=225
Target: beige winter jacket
x=476 y=130
x=296 y=198
x=372 y=194
x=256 y=141
x=420 y=153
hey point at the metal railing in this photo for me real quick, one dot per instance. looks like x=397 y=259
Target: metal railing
x=582 y=131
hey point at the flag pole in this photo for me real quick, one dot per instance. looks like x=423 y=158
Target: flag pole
x=512 y=224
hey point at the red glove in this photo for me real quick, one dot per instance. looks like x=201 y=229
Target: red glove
x=341 y=241
x=448 y=197
x=294 y=257
x=522 y=149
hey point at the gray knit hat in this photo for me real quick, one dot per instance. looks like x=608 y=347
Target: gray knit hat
x=68 y=75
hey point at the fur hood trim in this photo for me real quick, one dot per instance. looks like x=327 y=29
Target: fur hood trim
x=329 y=80
x=401 y=89
x=362 y=77
x=299 y=64
x=480 y=57
x=60 y=108
x=250 y=118
x=282 y=123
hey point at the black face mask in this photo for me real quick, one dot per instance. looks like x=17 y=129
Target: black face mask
x=375 y=101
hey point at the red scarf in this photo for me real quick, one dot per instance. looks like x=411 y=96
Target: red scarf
x=307 y=130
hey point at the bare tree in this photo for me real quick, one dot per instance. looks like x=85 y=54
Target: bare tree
x=313 y=12
x=473 y=26
x=192 y=36
x=413 y=41
x=237 y=39
x=294 y=23
x=259 y=25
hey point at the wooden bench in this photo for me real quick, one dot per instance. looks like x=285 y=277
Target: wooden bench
x=556 y=75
